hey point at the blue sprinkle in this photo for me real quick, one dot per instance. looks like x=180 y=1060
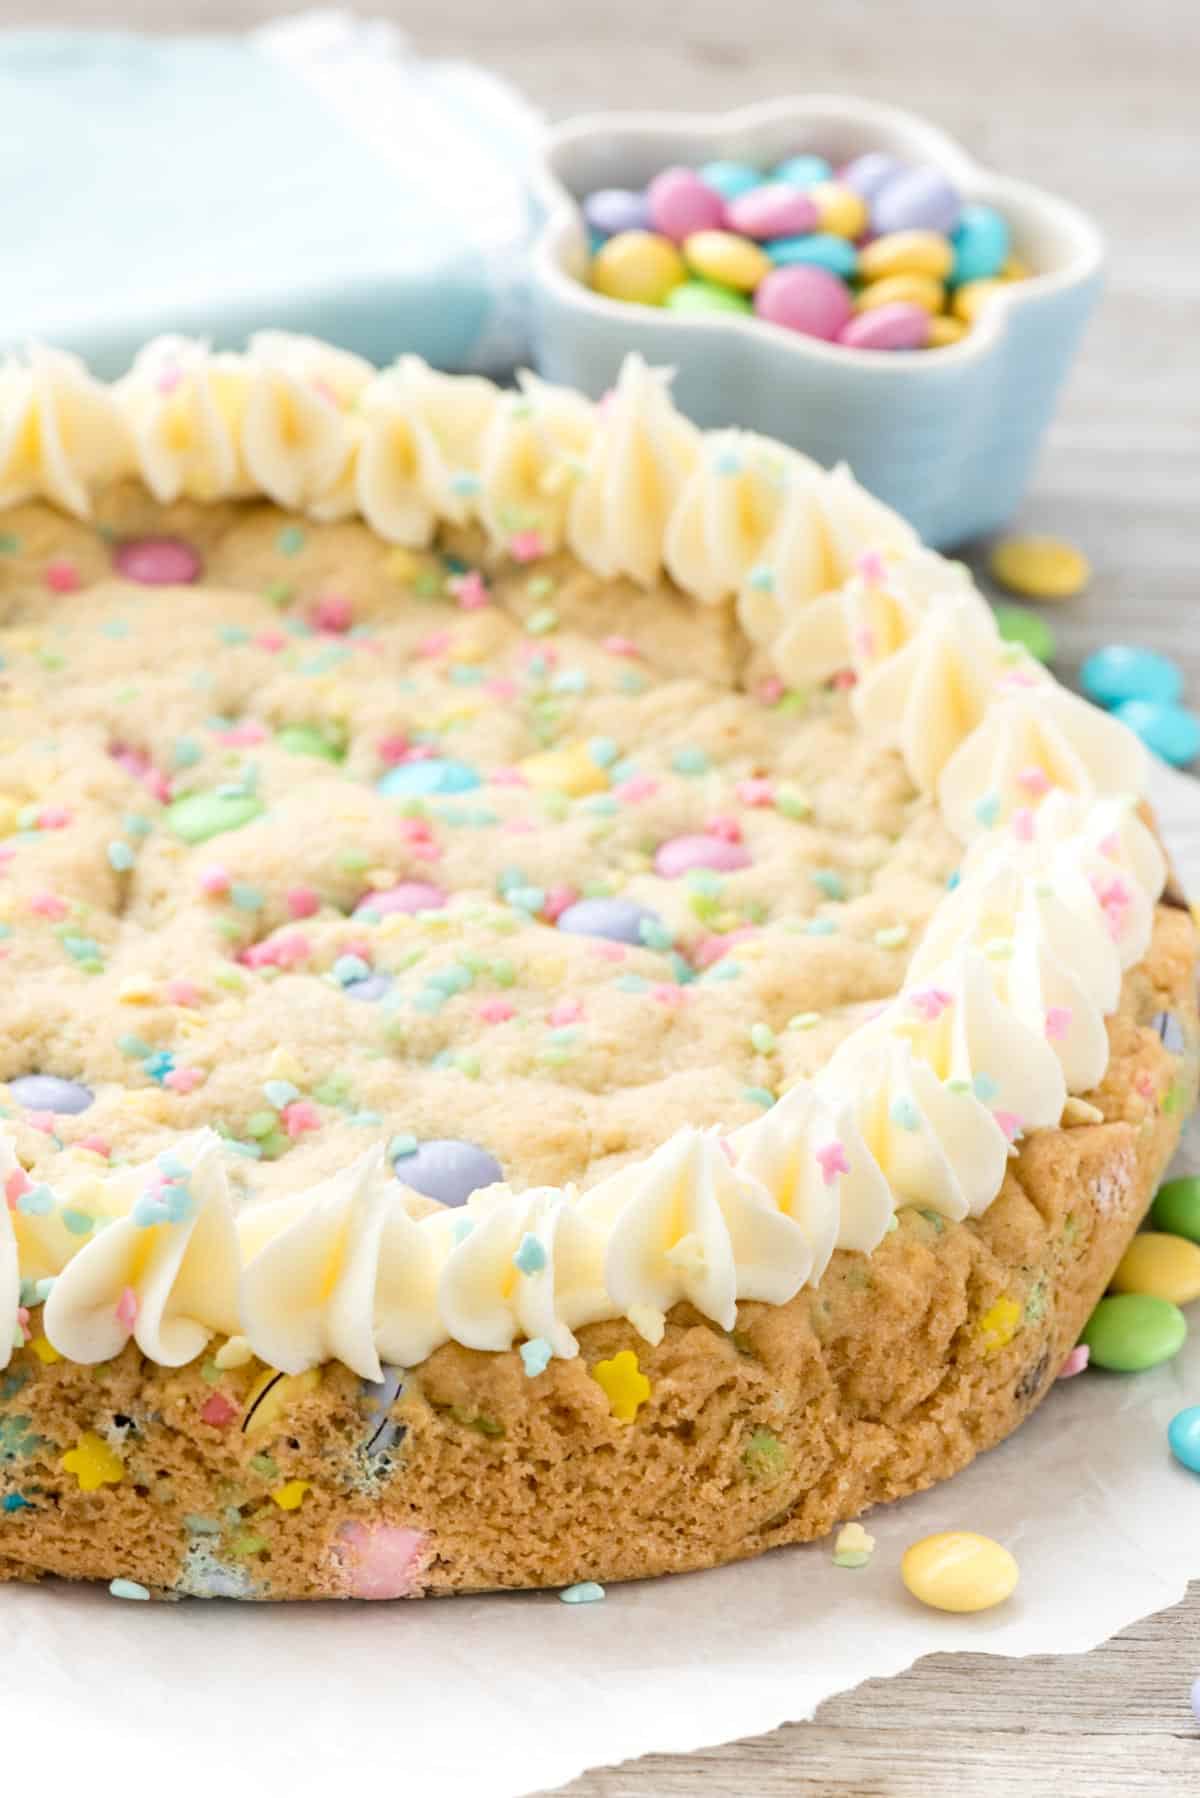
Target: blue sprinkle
x=830 y=883
x=400 y=1147
x=159 y=1064
x=655 y=934
x=904 y=1113
x=603 y=751
x=349 y=968
x=120 y=857
x=172 y=1165
x=536 y=1356
x=12 y=1501
x=761 y=580
x=820 y=927
x=727 y=462
x=149 y=1210
x=987 y=809
x=464 y=485
x=280 y=1093
x=632 y=983
x=530 y=1258
x=586 y=1592
x=528 y=899
x=186 y=752
x=78 y=1222
x=136 y=824
x=127 y=1588
x=691 y=761
x=985 y=1088
x=180 y=1205
x=463 y=1228
x=246 y=898
x=953 y=880
x=37 y=1202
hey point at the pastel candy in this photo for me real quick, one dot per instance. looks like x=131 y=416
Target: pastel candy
x=1170 y=731
x=1134 y=1331
x=436 y=774
x=959 y=1571
x=907 y=288
x=821 y=249
x=906 y=253
x=1177 y=1207
x=1183 y=1438
x=157 y=561
x=773 y=210
x=613 y=209
x=980 y=243
x=680 y=204
x=840 y=209
x=370 y=989
x=1166 y=1267
x=805 y=299
x=869 y=173
x=308 y=739
x=899 y=326
x=730 y=178
x=639 y=267
x=681 y=854
x=802 y=171
x=706 y=296
x=1017 y=624
x=916 y=199
x=620 y=920
x=380 y=1560
x=1039 y=567
x=382 y=1432
x=409 y=896
x=723 y=256
x=1120 y=672
x=199 y=816
x=447 y=1169
x=47 y=1092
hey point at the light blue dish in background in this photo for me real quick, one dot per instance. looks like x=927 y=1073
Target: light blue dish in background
x=947 y=437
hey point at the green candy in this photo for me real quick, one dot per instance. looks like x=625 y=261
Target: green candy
x=1177 y=1207
x=705 y=296
x=199 y=816
x=1131 y=1332
x=1017 y=624
x=307 y=739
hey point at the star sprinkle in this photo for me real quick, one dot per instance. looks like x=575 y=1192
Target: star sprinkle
x=831 y=1157
x=623 y=1383
x=93 y=1463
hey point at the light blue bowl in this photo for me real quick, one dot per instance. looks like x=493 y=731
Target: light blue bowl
x=947 y=436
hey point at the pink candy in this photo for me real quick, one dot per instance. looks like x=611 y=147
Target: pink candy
x=333 y=614
x=409 y=896
x=681 y=203
x=380 y=1562
x=157 y=562
x=900 y=326
x=806 y=299
x=682 y=854
x=773 y=210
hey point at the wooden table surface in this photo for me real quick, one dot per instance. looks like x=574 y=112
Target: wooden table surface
x=1100 y=103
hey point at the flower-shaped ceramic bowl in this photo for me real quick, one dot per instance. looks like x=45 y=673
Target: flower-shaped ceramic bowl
x=945 y=436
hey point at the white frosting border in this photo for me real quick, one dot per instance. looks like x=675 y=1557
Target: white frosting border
x=1001 y=1017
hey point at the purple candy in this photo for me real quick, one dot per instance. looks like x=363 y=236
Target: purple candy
x=611 y=210
x=919 y=199
x=369 y=989
x=620 y=920
x=682 y=854
x=680 y=203
x=448 y=1169
x=867 y=174
x=409 y=896
x=157 y=561
x=774 y=210
x=46 y=1092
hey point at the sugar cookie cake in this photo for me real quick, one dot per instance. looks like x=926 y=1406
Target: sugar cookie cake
x=568 y=1010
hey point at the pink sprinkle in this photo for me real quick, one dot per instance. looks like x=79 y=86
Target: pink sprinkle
x=637 y=788
x=53 y=817
x=1144 y=1084
x=214 y=881
x=526 y=546
x=1034 y=780
x=290 y=951
x=832 y=1157
x=415 y=830
x=380 y=1562
x=134 y=761
x=48 y=905
x=324 y=391
x=157 y=783
x=41 y=1120
x=97 y=1145
x=360 y=946
x=16 y=1183
x=157 y=562
x=218 y=1411
x=520 y=827
x=1075 y=1362
x=843 y=680
x=169 y=379
x=666 y=994
x=864 y=642
x=755 y=792
x=501 y=688
x=271 y=641
x=127 y=1309
x=566 y=1011
x=608 y=951
x=62 y=576
x=931 y=1002
x=620 y=646
x=710 y=949
x=723 y=826
x=507 y=777
x=242 y=735
x=1058 y=1022
x=1110 y=846
x=184 y=1080
x=544 y=654
x=435 y=644
x=1022 y=824
x=470 y=590
x=393 y=748
x=497 y=1011
x=333 y=614
x=1010 y=1123
x=301 y=902
x=23 y=1322
x=771 y=690
x=425 y=852
x=871 y=566
x=299 y=1116
x=1018 y=677
x=182 y=992
x=558 y=898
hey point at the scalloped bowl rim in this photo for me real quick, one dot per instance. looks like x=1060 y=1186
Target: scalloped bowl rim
x=565 y=220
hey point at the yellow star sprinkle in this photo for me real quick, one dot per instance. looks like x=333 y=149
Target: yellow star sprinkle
x=93 y=1463
x=999 y=1325
x=623 y=1383
x=45 y=1351
x=291 y=1496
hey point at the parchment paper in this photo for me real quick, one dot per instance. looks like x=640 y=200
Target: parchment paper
x=493 y=1697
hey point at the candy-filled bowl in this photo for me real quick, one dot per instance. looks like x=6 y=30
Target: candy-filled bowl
x=946 y=435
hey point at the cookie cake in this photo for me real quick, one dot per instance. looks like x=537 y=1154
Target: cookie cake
x=568 y=1009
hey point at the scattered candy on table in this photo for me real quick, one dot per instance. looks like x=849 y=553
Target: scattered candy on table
x=1171 y=731
x=959 y=1571
x=1017 y=624
x=1177 y=1207
x=1142 y=687
x=1039 y=567
x=879 y=255
x=1183 y=1435
x=1165 y=1267
x=1134 y=1331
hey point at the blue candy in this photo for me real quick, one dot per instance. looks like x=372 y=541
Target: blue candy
x=438 y=774
x=447 y=1169
x=1183 y=1434
x=981 y=242
x=820 y=248
x=1121 y=671
x=1170 y=731
x=620 y=920
x=802 y=171
x=46 y=1092
x=731 y=178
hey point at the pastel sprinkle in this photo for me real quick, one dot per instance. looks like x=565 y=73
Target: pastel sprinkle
x=535 y=1356
x=128 y=1588
x=585 y=1592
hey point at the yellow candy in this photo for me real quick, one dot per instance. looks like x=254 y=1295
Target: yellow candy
x=840 y=210
x=93 y=1463
x=906 y=253
x=1039 y=567
x=722 y=256
x=959 y=1571
x=999 y=1325
x=624 y=1384
x=637 y=266
x=9 y=808
x=272 y=1394
x=1015 y=270
x=944 y=330
x=45 y=1351
x=909 y=289
x=570 y=770
x=1162 y=1266
x=291 y=1496
x=972 y=295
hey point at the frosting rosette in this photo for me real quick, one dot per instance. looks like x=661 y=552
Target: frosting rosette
x=422 y=444
x=535 y=449
x=61 y=432
x=299 y=430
